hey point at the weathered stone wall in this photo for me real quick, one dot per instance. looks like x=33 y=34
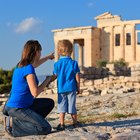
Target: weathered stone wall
x=105 y=81
x=112 y=25
x=102 y=72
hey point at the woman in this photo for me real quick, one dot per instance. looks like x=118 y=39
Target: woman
x=28 y=112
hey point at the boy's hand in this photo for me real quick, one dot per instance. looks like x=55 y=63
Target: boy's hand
x=78 y=92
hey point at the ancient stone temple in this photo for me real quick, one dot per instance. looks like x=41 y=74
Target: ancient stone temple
x=111 y=40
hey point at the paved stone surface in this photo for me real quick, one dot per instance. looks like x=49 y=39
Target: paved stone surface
x=100 y=127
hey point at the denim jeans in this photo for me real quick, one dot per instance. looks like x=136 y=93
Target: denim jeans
x=31 y=121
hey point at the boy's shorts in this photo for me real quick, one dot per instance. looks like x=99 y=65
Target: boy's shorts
x=67 y=102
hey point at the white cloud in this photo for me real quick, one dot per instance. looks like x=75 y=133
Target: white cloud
x=90 y=4
x=28 y=25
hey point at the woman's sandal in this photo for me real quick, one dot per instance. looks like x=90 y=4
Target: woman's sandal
x=7 y=125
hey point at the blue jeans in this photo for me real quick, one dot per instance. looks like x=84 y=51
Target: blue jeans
x=31 y=121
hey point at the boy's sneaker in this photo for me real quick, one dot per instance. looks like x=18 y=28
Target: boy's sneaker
x=60 y=127
x=77 y=124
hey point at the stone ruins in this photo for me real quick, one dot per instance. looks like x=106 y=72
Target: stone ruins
x=111 y=40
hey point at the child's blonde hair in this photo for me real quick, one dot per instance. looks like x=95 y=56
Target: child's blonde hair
x=65 y=47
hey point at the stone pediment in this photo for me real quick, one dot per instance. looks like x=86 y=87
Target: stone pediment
x=106 y=15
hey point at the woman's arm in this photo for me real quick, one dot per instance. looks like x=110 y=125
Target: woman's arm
x=44 y=59
x=51 y=78
x=34 y=88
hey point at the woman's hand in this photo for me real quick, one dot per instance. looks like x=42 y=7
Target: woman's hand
x=50 y=79
x=34 y=88
x=51 y=56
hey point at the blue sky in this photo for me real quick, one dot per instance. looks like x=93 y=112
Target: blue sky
x=21 y=20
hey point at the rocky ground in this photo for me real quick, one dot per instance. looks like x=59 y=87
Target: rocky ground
x=108 y=117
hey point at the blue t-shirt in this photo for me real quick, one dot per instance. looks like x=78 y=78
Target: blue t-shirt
x=66 y=69
x=20 y=96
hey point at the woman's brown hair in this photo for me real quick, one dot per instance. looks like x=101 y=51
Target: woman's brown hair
x=29 y=52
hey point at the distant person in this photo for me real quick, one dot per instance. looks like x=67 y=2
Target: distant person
x=26 y=112
x=67 y=73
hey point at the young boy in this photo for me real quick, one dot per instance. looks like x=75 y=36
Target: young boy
x=68 y=82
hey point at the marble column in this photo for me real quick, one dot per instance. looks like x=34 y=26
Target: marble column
x=122 y=40
x=134 y=42
x=56 y=51
x=73 y=52
x=80 y=56
x=102 y=43
x=112 y=44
